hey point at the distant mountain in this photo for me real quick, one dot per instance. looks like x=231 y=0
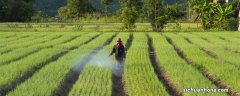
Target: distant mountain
x=50 y=7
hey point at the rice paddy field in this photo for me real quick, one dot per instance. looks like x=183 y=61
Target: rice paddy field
x=157 y=64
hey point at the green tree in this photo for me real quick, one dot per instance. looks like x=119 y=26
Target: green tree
x=129 y=3
x=189 y=8
x=73 y=8
x=48 y=7
x=215 y=15
x=205 y=12
x=16 y=10
x=175 y=11
x=106 y=3
x=77 y=8
x=222 y=14
x=128 y=17
x=3 y=9
x=62 y=13
x=129 y=14
x=156 y=13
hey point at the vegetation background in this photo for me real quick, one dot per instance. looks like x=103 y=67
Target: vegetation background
x=211 y=14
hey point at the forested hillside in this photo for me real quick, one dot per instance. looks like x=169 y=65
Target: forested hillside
x=50 y=7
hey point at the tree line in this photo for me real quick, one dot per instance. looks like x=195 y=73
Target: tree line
x=211 y=14
x=15 y=10
x=157 y=12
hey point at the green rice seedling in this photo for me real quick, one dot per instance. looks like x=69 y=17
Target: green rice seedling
x=227 y=74
x=139 y=76
x=215 y=49
x=22 y=43
x=11 y=72
x=183 y=75
x=21 y=52
x=51 y=76
x=100 y=68
x=13 y=37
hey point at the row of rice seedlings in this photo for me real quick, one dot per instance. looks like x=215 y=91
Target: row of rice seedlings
x=216 y=49
x=226 y=44
x=231 y=36
x=228 y=39
x=21 y=40
x=48 y=79
x=4 y=35
x=36 y=42
x=5 y=42
x=22 y=37
x=97 y=75
x=22 y=52
x=13 y=37
x=173 y=67
x=219 y=71
x=229 y=46
x=79 y=39
x=31 y=40
x=23 y=43
x=11 y=72
x=231 y=42
x=139 y=76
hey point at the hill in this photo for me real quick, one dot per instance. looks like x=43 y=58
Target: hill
x=50 y=7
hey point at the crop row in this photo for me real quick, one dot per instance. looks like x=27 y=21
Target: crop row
x=97 y=75
x=223 y=75
x=216 y=50
x=34 y=39
x=22 y=52
x=49 y=78
x=19 y=39
x=231 y=41
x=22 y=43
x=5 y=39
x=12 y=39
x=12 y=72
x=228 y=40
x=232 y=37
x=179 y=71
x=19 y=52
x=139 y=76
x=224 y=42
x=7 y=35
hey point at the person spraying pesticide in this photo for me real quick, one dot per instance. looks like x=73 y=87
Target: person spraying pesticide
x=120 y=56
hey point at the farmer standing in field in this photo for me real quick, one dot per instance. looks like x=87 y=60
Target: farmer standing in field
x=120 y=55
